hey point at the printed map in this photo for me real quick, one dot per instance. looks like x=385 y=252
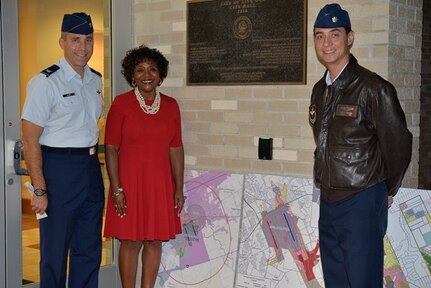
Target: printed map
x=205 y=254
x=279 y=237
x=408 y=244
x=262 y=231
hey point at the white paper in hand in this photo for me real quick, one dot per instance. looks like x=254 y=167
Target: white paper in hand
x=30 y=189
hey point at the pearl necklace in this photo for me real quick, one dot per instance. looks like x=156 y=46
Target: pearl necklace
x=153 y=109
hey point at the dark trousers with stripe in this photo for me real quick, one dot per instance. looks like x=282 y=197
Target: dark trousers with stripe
x=74 y=223
x=351 y=234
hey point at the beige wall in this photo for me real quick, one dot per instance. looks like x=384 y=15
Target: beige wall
x=222 y=123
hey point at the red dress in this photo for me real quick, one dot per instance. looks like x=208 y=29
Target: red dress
x=145 y=170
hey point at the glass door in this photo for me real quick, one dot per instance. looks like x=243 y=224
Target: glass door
x=30 y=30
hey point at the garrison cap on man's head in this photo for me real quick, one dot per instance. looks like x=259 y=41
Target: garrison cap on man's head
x=332 y=16
x=77 y=23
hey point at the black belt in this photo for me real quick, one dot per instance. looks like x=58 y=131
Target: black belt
x=69 y=150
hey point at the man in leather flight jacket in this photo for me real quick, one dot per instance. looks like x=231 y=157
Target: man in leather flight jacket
x=363 y=148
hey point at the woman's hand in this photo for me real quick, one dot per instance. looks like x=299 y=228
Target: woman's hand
x=119 y=201
x=179 y=201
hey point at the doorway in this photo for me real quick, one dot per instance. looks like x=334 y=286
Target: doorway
x=30 y=30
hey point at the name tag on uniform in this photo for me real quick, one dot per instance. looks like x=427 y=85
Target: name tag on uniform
x=347 y=110
x=68 y=95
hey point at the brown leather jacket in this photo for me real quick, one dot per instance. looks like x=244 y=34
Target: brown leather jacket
x=361 y=135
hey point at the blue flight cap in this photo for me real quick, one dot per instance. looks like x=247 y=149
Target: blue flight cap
x=77 y=23
x=332 y=16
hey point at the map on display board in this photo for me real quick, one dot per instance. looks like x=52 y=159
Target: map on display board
x=279 y=237
x=254 y=230
x=205 y=254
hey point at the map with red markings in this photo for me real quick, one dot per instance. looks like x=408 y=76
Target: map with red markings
x=261 y=231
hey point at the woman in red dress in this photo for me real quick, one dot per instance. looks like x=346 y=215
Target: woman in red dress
x=145 y=163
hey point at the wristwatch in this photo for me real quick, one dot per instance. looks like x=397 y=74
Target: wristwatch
x=39 y=192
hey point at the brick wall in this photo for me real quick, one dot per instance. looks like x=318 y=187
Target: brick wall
x=404 y=67
x=222 y=123
x=425 y=118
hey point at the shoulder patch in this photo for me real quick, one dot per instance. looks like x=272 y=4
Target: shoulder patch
x=96 y=72
x=48 y=71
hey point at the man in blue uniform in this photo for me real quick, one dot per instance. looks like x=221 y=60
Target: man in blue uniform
x=363 y=149
x=60 y=134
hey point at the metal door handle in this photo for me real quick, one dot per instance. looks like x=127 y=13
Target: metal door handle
x=18 y=156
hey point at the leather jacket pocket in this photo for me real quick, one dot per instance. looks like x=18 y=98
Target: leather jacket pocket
x=347 y=168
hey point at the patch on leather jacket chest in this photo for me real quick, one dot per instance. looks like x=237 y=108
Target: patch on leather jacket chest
x=347 y=110
x=312 y=114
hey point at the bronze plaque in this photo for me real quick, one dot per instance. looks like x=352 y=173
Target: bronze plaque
x=246 y=42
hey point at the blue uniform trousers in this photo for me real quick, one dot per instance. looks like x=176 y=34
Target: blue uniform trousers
x=351 y=235
x=74 y=223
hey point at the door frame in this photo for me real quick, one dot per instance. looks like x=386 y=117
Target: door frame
x=10 y=189
x=10 y=225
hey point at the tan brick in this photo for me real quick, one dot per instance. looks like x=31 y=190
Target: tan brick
x=267 y=93
x=212 y=116
x=196 y=126
x=196 y=104
x=144 y=39
x=380 y=52
x=224 y=151
x=224 y=128
x=139 y=7
x=210 y=139
x=174 y=37
x=179 y=26
x=306 y=156
x=380 y=24
x=267 y=166
x=262 y=117
x=284 y=130
x=252 y=129
x=224 y=105
x=160 y=5
x=206 y=161
x=248 y=152
x=238 y=164
x=189 y=116
x=172 y=16
x=238 y=116
x=238 y=93
x=299 y=169
x=283 y=105
x=286 y=155
x=298 y=143
x=190 y=160
x=237 y=140
x=196 y=149
x=248 y=105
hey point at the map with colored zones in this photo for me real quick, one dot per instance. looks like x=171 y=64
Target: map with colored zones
x=279 y=237
x=205 y=254
x=253 y=230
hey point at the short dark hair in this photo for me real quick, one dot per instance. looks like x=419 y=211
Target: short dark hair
x=139 y=54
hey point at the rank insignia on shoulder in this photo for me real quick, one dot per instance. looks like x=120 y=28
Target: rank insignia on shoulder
x=312 y=114
x=96 y=72
x=48 y=71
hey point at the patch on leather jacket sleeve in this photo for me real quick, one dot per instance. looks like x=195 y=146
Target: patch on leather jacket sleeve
x=312 y=114
x=347 y=110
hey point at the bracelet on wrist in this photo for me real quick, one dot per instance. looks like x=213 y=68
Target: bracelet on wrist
x=117 y=192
